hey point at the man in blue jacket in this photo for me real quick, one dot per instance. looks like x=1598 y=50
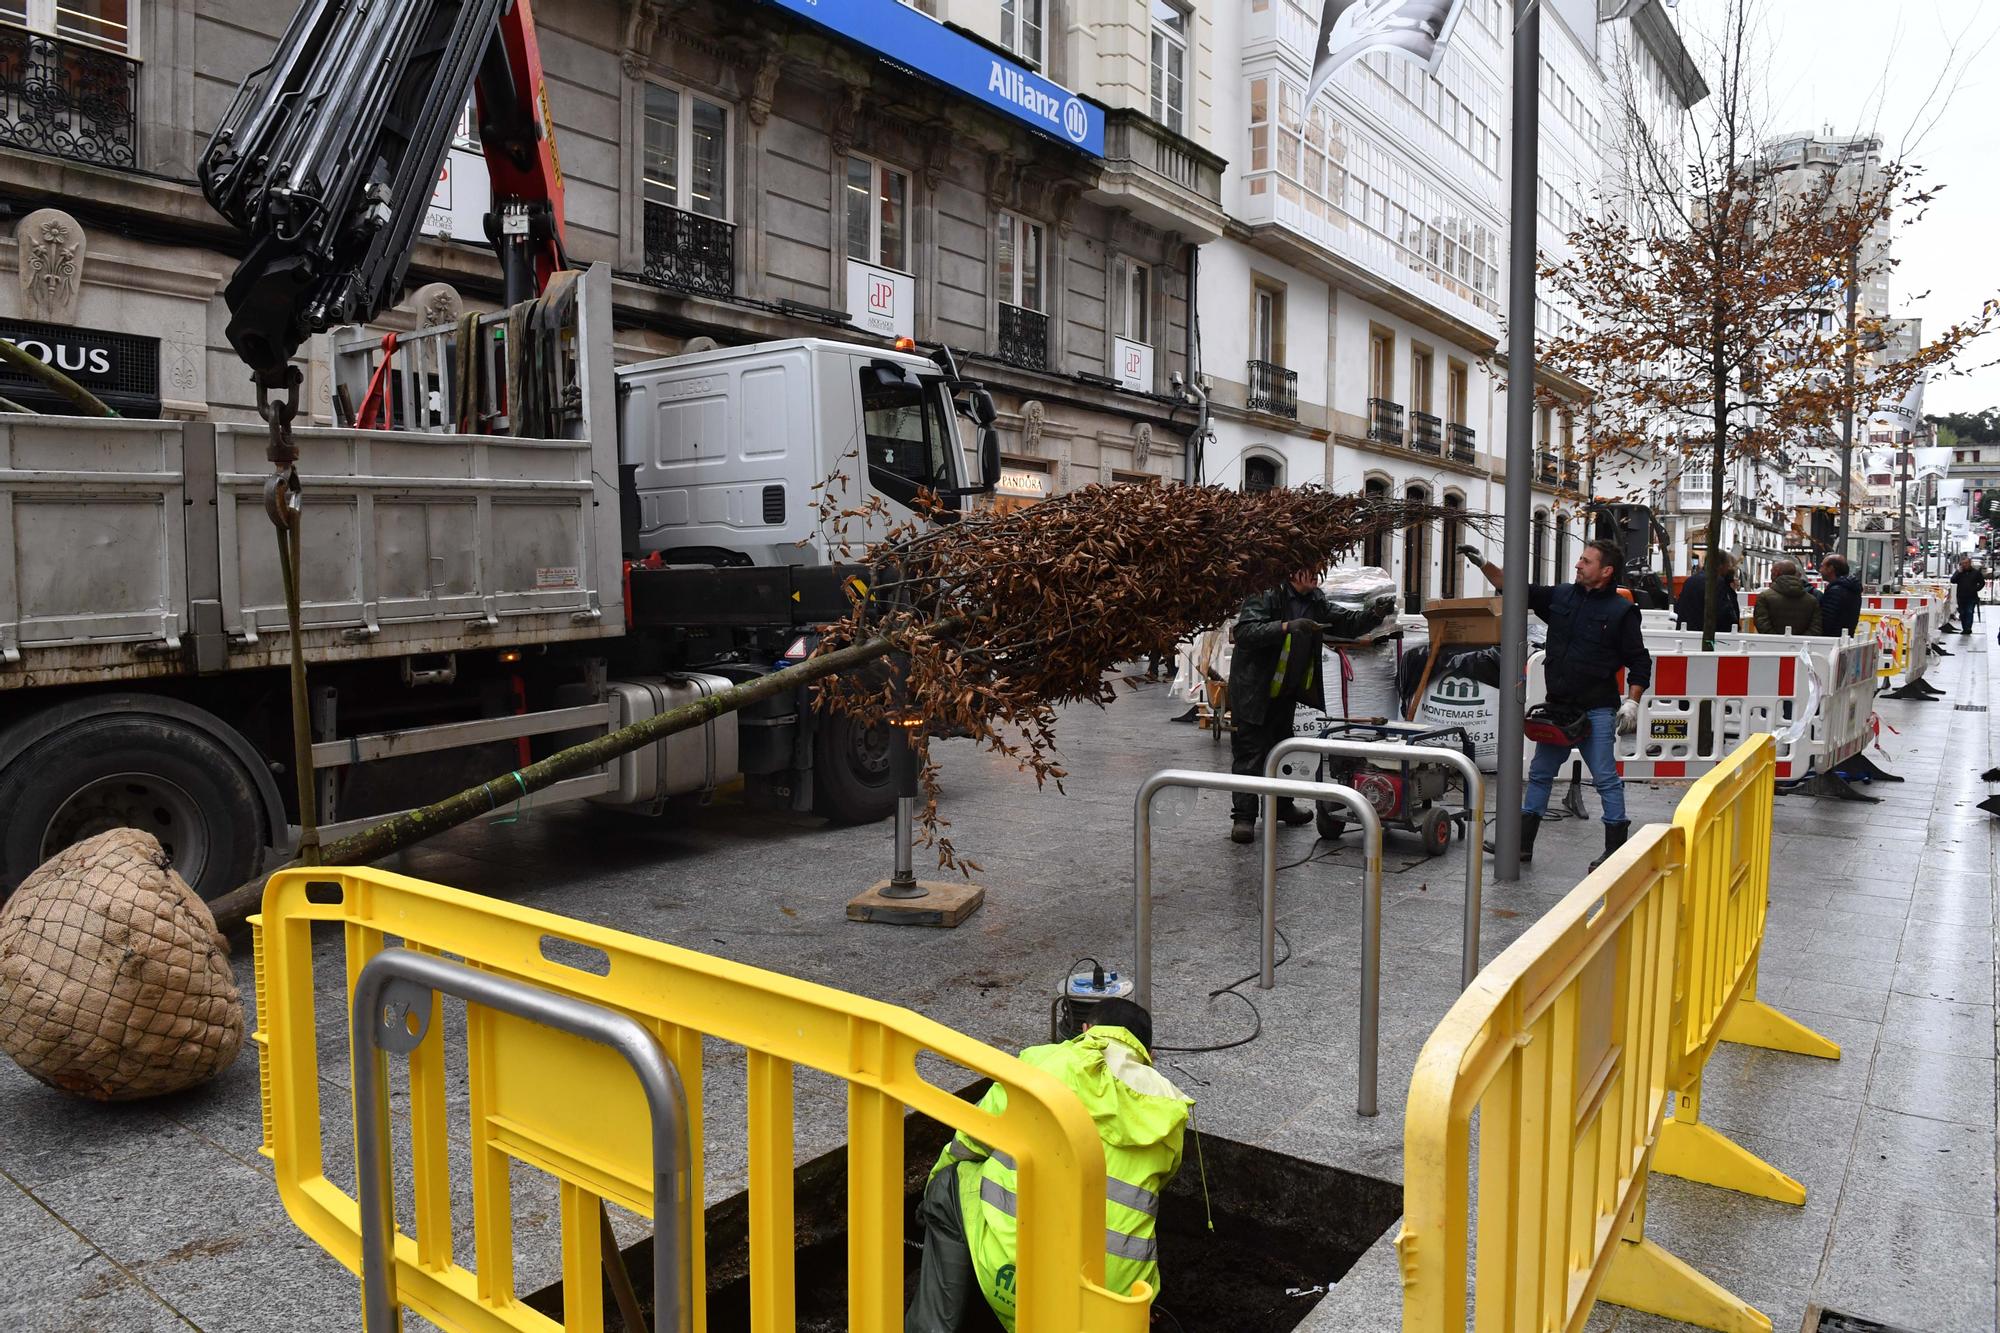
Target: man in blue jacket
x=1593 y=635
x=1840 y=599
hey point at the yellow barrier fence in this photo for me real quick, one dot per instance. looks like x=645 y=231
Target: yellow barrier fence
x=1726 y=819
x=1887 y=631
x=1563 y=1047
x=575 y=1110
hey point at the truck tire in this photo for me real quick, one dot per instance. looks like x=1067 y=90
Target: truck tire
x=134 y=770
x=852 y=781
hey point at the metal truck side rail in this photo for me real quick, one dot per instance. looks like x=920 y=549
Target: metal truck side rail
x=392 y=1008
x=1475 y=806
x=1371 y=898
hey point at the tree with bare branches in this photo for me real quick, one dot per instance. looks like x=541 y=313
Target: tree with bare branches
x=1709 y=291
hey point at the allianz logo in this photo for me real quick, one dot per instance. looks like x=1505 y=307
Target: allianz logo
x=1011 y=86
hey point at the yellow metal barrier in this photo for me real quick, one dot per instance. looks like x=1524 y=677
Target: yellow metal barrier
x=1887 y=631
x=574 y=1110
x=1563 y=1046
x=1726 y=818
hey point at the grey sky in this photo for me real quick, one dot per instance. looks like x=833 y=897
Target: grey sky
x=1828 y=62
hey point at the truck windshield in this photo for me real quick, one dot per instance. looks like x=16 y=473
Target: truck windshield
x=910 y=436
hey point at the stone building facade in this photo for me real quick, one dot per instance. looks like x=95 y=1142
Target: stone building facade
x=748 y=171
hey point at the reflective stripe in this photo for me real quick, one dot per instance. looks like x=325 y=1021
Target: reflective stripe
x=1002 y=1158
x=996 y=1195
x=1284 y=658
x=1140 y=1249
x=1140 y=1200
x=960 y=1153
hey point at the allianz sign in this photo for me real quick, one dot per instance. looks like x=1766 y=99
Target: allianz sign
x=1066 y=115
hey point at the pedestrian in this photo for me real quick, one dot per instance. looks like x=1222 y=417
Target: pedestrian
x=1787 y=606
x=968 y=1208
x=1840 y=599
x=1273 y=669
x=1969 y=581
x=1593 y=635
x=1694 y=596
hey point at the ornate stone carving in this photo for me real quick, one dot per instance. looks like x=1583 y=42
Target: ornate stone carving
x=937 y=154
x=1142 y=444
x=846 y=115
x=764 y=83
x=1062 y=197
x=642 y=25
x=437 y=303
x=182 y=373
x=1002 y=173
x=52 y=248
x=1034 y=421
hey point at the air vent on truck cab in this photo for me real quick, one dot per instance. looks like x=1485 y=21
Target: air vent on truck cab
x=774 y=505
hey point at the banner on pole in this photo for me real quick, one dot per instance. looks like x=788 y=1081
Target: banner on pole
x=1350 y=28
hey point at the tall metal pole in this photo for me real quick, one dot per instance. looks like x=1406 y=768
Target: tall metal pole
x=1902 y=514
x=1522 y=251
x=1847 y=411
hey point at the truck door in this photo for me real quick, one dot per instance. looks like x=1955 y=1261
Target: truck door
x=909 y=435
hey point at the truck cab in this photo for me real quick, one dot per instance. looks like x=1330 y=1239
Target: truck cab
x=728 y=452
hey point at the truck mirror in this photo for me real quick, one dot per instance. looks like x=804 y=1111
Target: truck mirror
x=989 y=454
x=983 y=410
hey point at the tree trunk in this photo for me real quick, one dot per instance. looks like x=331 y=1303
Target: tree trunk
x=232 y=909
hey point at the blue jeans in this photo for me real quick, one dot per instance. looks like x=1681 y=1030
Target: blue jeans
x=1597 y=754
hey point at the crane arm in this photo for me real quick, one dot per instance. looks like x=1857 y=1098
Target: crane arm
x=328 y=157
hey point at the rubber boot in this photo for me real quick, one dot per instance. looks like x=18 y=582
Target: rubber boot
x=1295 y=815
x=1242 y=830
x=1530 y=826
x=1614 y=838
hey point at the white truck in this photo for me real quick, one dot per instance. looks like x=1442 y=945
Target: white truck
x=470 y=600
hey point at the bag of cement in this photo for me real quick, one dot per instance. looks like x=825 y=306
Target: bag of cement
x=1361 y=681
x=1464 y=691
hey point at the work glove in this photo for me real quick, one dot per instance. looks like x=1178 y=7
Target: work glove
x=1628 y=717
x=1472 y=553
x=1303 y=625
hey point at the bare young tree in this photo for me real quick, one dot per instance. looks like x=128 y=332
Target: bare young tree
x=1707 y=290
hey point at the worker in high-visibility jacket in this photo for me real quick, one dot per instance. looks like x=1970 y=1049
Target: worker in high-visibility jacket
x=969 y=1208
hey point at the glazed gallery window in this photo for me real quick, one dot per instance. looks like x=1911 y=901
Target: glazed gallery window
x=1170 y=60
x=687 y=152
x=878 y=200
x=1021 y=29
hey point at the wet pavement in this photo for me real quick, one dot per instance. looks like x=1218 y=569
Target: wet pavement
x=163 y=1214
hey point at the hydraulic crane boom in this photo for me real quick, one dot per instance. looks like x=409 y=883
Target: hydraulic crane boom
x=329 y=154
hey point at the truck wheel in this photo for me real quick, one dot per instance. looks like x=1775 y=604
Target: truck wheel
x=851 y=771
x=130 y=770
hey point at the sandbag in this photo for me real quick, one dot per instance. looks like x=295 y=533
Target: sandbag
x=114 y=983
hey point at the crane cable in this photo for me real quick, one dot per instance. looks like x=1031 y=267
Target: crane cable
x=282 y=503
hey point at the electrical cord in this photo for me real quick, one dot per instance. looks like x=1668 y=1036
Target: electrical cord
x=1256 y=1017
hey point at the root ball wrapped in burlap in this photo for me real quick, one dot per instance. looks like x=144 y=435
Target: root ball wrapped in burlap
x=114 y=984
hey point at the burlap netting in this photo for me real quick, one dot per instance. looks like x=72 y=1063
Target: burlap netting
x=113 y=981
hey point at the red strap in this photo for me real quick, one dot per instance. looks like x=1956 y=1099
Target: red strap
x=374 y=411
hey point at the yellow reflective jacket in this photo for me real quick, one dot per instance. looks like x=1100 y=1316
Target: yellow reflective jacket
x=1140 y=1118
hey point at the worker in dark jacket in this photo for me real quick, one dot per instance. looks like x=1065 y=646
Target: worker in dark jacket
x=1840 y=599
x=1694 y=598
x=1593 y=635
x=1273 y=669
x=1787 y=606
x=1969 y=581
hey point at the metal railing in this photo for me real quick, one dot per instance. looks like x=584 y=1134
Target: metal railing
x=1371 y=900
x=395 y=1002
x=68 y=99
x=1546 y=470
x=1385 y=421
x=689 y=252
x=1426 y=433
x=1464 y=443
x=1572 y=474
x=1475 y=809
x=1024 y=337
x=1273 y=389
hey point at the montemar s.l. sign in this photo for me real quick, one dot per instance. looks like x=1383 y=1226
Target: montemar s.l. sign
x=928 y=48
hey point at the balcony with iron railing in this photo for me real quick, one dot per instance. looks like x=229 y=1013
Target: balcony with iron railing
x=1547 y=472
x=1273 y=389
x=1464 y=443
x=689 y=252
x=1385 y=421
x=68 y=99
x=1426 y=433
x=1572 y=474
x=1024 y=337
